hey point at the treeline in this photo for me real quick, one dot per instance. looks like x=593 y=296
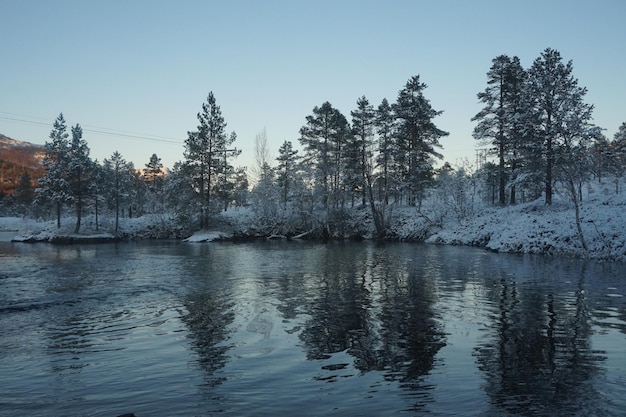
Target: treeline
x=539 y=129
x=535 y=125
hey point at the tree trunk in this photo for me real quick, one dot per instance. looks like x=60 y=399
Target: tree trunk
x=79 y=212
x=549 y=172
x=549 y=159
x=58 y=214
x=502 y=177
x=501 y=149
x=377 y=214
x=574 y=197
x=117 y=212
x=96 y=213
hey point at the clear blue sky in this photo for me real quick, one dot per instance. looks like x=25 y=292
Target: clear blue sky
x=144 y=68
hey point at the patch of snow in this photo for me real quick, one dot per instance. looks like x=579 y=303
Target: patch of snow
x=207 y=236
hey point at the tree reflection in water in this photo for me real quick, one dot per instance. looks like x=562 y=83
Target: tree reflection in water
x=209 y=312
x=379 y=311
x=208 y=317
x=537 y=356
x=350 y=310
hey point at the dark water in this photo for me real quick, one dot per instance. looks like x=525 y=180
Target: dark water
x=266 y=329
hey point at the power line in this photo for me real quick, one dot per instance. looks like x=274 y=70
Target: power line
x=95 y=129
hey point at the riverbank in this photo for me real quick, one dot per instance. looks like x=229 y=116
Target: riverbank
x=550 y=230
x=524 y=228
x=142 y=228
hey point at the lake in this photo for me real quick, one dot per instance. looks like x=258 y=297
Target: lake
x=297 y=328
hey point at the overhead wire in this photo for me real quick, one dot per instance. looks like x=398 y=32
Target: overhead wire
x=91 y=129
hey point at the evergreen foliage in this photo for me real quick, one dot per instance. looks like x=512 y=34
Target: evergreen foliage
x=416 y=140
x=360 y=163
x=286 y=170
x=557 y=113
x=153 y=177
x=53 y=186
x=79 y=173
x=499 y=122
x=324 y=138
x=385 y=126
x=207 y=157
x=118 y=184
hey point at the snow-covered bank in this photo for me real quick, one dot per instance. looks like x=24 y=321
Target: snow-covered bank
x=537 y=228
x=524 y=228
x=146 y=227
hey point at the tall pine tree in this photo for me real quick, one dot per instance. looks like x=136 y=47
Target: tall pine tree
x=118 y=174
x=286 y=170
x=153 y=176
x=323 y=138
x=385 y=125
x=362 y=139
x=498 y=122
x=153 y=173
x=79 y=169
x=552 y=92
x=206 y=156
x=53 y=186
x=417 y=138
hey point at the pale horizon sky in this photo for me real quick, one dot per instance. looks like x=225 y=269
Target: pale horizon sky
x=141 y=70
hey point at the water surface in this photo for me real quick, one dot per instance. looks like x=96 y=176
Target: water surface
x=295 y=328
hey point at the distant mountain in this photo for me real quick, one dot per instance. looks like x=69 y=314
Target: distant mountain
x=16 y=159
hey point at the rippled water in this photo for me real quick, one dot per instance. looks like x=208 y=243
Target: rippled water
x=278 y=328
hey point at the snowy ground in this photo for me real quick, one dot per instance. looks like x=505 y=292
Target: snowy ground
x=537 y=228
x=524 y=228
x=30 y=230
x=207 y=236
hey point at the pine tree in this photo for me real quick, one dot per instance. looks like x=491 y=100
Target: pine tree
x=416 y=139
x=323 y=138
x=96 y=189
x=53 y=186
x=385 y=126
x=138 y=197
x=206 y=156
x=153 y=178
x=553 y=93
x=286 y=170
x=362 y=138
x=153 y=173
x=79 y=167
x=180 y=196
x=498 y=121
x=118 y=184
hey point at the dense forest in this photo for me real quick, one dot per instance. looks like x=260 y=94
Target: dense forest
x=535 y=129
